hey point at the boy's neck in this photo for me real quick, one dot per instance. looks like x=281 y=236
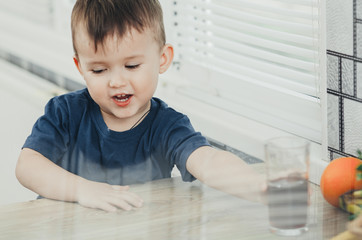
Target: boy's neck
x=125 y=124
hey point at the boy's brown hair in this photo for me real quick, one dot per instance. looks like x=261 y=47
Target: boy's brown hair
x=107 y=17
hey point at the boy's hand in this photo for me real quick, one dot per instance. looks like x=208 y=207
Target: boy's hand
x=107 y=197
x=355 y=227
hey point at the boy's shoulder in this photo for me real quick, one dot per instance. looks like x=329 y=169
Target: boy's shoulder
x=72 y=104
x=166 y=115
x=81 y=95
x=163 y=108
x=72 y=99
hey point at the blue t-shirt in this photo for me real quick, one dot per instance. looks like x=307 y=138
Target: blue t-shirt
x=73 y=134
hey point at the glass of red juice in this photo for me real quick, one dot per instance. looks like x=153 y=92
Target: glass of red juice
x=287 y=161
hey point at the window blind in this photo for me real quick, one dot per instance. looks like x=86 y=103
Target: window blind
x=50 y=14
x=36 y=11
x=255 y=58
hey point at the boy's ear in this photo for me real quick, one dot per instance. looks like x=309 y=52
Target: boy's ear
x=166 y=58
x=77 y=64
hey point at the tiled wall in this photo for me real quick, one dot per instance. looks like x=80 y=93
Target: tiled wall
x=344 y=77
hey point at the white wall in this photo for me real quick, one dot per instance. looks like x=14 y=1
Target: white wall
x=22 y=100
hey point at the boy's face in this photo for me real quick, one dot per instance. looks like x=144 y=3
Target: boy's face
x=122 y=75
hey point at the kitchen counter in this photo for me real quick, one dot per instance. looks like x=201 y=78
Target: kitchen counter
x=172 y=210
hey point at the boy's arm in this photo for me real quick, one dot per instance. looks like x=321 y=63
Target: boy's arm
x=39 y=174
x=227 y=172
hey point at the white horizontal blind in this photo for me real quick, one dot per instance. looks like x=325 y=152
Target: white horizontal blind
x=39 y=39
x=51 y=14
x=256 y=58
x=36 y=11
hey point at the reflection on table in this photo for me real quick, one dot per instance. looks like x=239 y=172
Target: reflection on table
x=173 y=210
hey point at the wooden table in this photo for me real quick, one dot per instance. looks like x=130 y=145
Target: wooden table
x=172 y=210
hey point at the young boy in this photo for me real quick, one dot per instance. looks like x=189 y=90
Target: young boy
x=90 y=144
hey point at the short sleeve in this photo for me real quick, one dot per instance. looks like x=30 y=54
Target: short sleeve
x=182 y=140
x=50 y=134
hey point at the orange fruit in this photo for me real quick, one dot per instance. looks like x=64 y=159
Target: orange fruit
x=339 y=177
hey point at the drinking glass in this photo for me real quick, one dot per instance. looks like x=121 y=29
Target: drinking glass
x=287 y=161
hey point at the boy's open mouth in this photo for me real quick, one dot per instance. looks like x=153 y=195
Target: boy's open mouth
x=122 y=97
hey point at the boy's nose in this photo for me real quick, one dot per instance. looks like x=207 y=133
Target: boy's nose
x=117 y=81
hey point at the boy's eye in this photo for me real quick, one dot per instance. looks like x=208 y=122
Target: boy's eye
x=98 y=71
x=132 y=66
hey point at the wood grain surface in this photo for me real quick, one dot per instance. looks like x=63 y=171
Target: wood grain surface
x=173 y=210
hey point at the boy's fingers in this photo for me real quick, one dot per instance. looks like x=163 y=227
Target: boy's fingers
x=129 y=197
x=107 y=207
x=121 y=203
x=132 y=199
x=119 y=199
